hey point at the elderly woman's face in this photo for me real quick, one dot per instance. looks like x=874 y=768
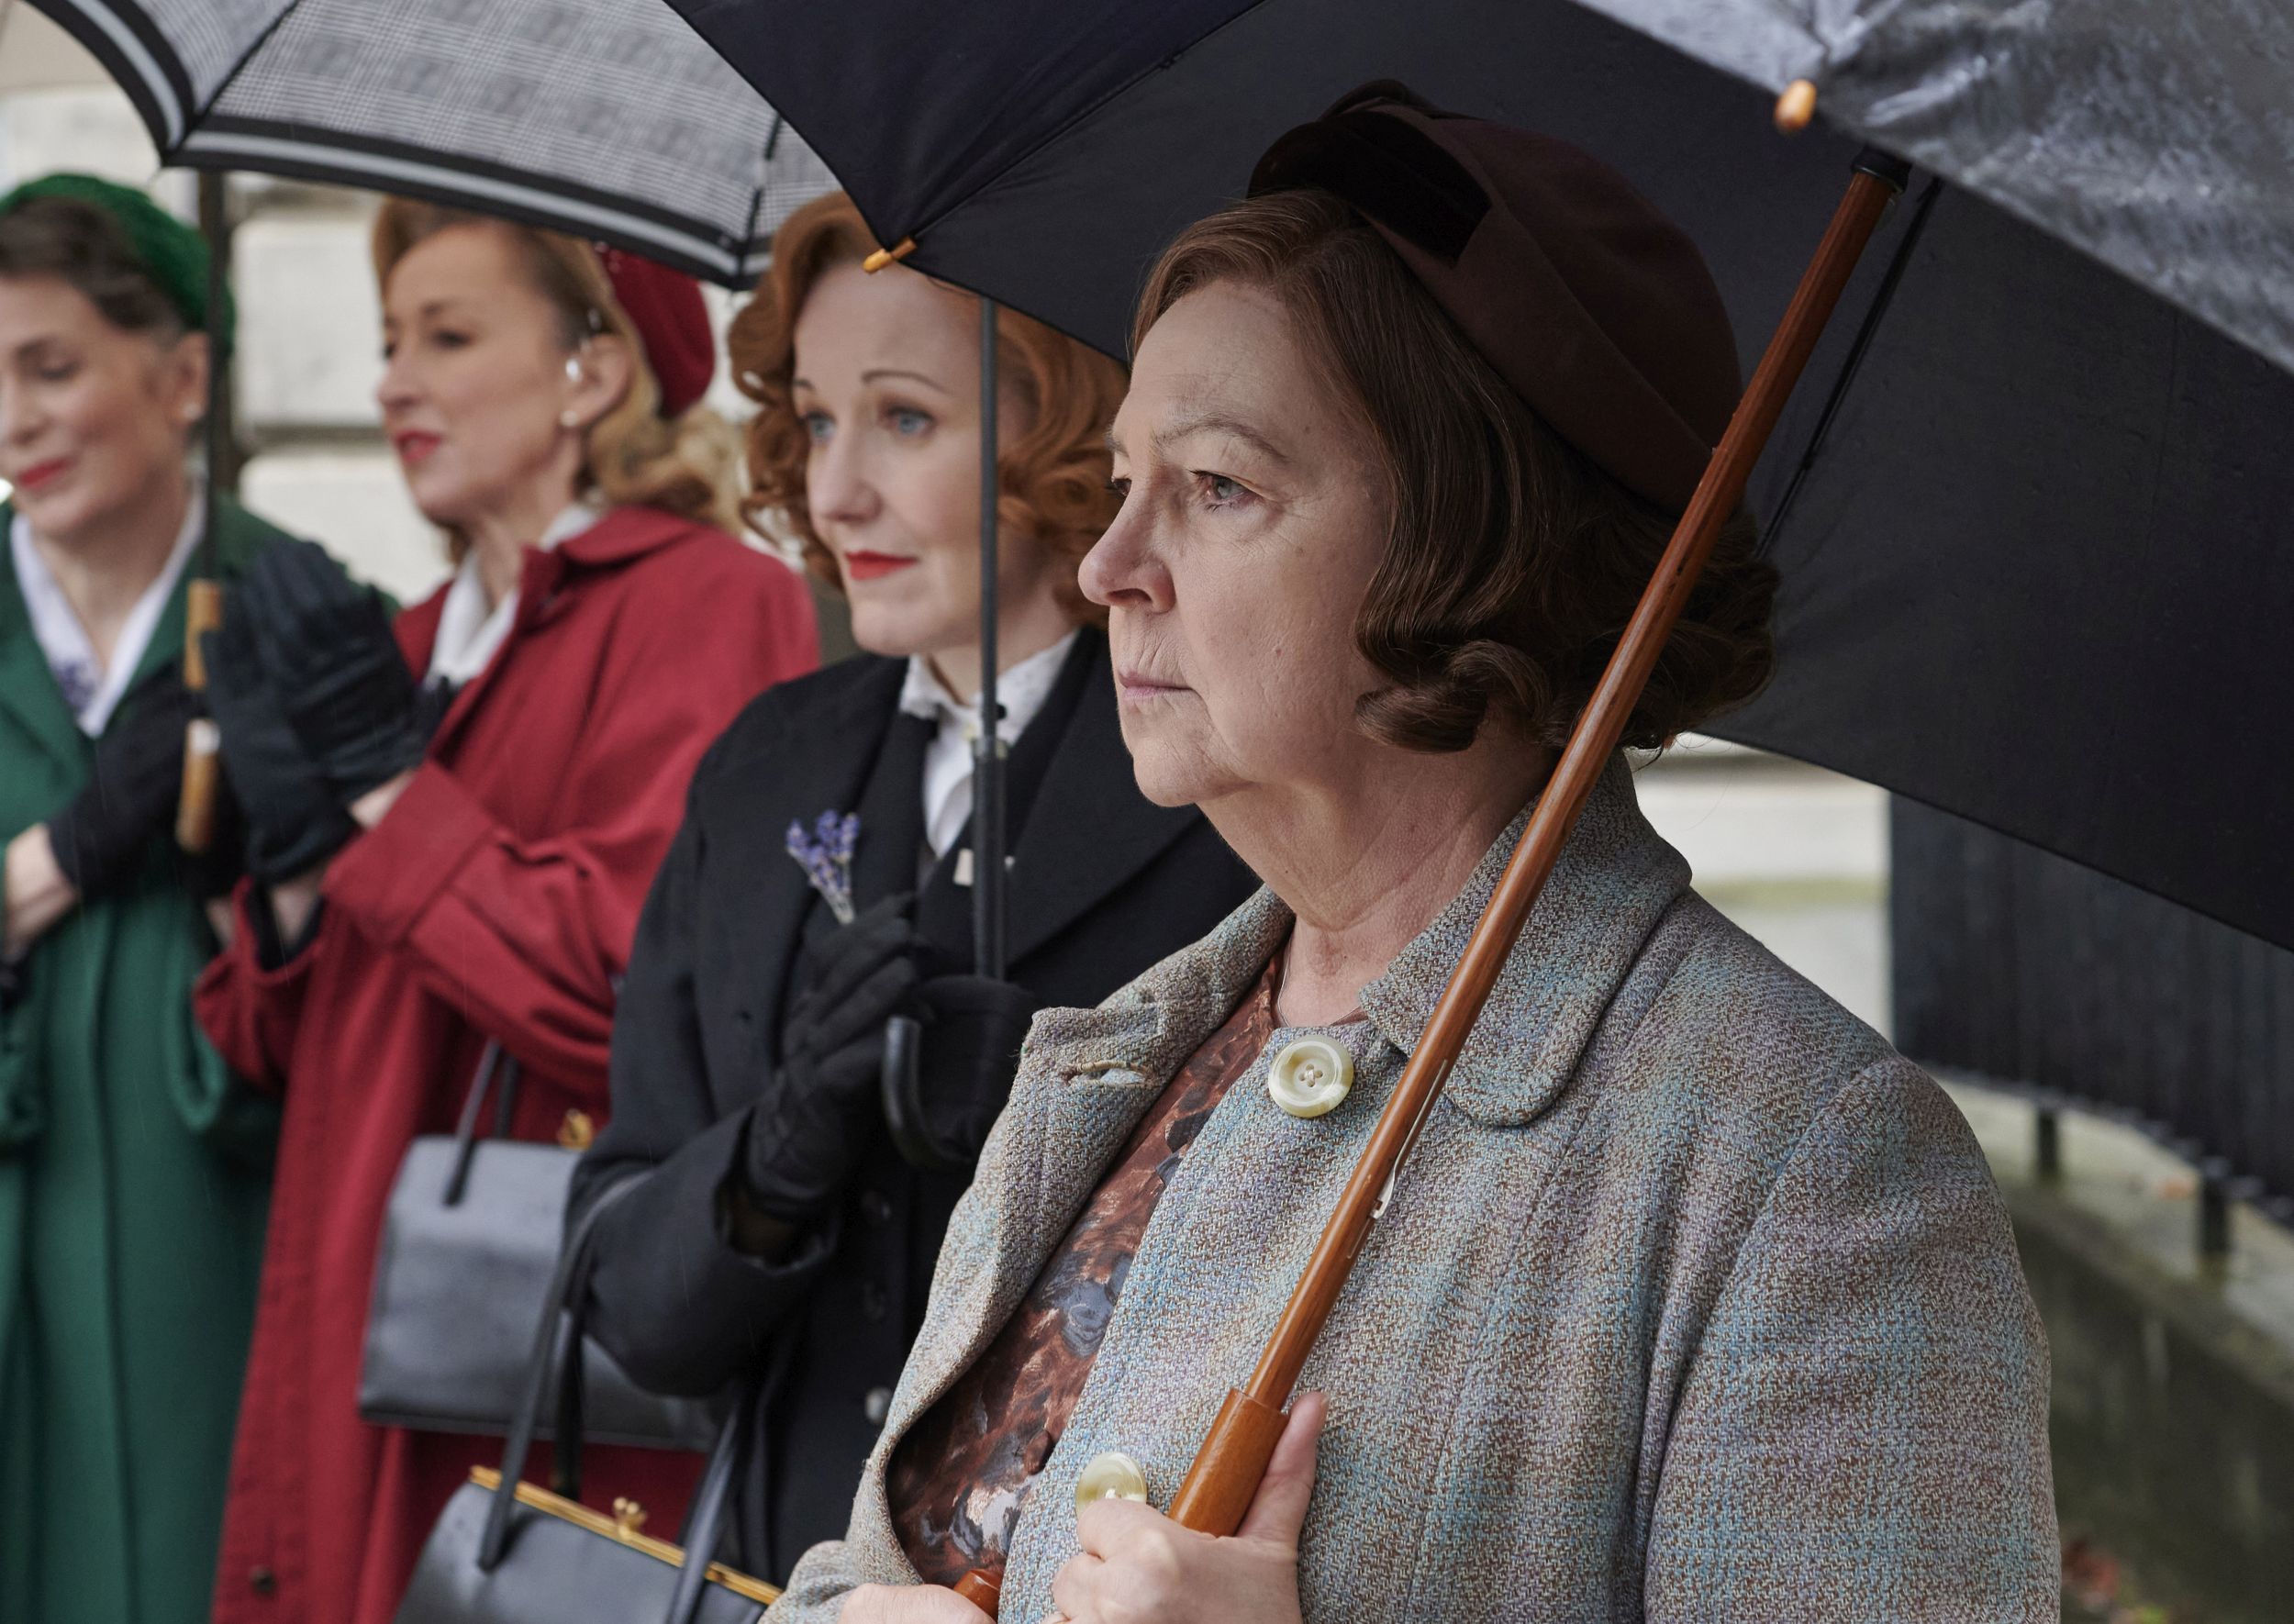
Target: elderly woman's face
x=1254 y=517
x=475 y=383
x=90 y=416
x=887 y=384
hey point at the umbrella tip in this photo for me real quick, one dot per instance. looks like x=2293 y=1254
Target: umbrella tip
x=891 y=256
x=1796 y=106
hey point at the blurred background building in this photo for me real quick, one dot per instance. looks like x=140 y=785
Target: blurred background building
x=2173 y=1359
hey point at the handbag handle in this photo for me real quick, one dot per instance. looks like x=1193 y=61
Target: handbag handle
x=705 y=1523
x=561 y=1335
x=493 y=1063
x=573 y=1268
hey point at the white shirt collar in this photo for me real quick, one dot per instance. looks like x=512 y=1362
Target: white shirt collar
x=1019 y=695
x=469 y=631
x=91 y=689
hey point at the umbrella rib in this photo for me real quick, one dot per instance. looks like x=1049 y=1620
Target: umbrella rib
x=1080 y=115
x=756 y=193
x=194 y=116
x=1866 y=330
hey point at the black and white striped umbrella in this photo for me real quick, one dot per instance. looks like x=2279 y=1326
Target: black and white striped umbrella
x=606 y=119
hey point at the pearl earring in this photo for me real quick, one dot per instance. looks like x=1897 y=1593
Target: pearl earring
x=569 y=418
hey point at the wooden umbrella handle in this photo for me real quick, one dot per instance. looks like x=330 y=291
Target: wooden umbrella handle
x=194 y=807
x=1224 y=1479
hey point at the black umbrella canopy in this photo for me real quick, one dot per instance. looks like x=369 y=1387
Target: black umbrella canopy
x=2029 y=502
x=606 y=119
x=2154 y=138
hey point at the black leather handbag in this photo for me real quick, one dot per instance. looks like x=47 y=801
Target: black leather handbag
x=469 y=1243
x=506 y=1552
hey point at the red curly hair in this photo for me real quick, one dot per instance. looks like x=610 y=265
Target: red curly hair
x=1052 y=476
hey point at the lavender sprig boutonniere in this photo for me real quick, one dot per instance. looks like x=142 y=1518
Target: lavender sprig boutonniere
x=827 y=857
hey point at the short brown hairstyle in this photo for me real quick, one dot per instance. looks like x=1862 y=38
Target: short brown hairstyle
x=1513 y=563
x=1053 y=476
x=631 y=455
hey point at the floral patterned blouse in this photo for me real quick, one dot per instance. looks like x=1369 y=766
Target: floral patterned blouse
x=958 y=1480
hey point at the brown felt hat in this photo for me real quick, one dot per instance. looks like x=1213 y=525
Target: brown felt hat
x=1595 y=307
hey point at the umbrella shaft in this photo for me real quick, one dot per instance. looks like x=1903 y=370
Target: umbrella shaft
x=987 y=767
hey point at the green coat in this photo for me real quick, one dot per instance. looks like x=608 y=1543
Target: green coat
x=132 y=1191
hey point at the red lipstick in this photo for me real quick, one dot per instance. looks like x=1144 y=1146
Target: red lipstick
x=861 y=565
x=414 y=446
x=41 y=474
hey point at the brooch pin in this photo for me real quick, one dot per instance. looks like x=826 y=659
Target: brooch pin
x=826 y=858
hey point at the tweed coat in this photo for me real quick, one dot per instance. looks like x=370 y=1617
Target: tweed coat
x=1695 y=1300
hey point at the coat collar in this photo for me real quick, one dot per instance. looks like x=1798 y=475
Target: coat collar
x=27 y=689
x=1088 y=831
x=621 y=535
x=1615 y=879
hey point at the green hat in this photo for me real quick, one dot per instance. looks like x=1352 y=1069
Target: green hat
x=174 y=254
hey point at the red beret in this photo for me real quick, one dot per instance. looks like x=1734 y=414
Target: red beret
x=1595 y=307
x=671 y=322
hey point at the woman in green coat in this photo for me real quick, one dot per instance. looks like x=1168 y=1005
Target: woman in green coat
x=131 y=1162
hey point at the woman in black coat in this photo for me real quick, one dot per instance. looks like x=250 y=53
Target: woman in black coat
x=776 y=1230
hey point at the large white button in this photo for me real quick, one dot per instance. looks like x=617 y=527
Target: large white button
x=1311 y=1076
x=1111 y=1477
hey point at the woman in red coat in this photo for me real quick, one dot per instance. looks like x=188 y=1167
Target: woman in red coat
x=480 y=847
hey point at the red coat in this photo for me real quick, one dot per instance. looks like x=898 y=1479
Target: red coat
x=498 y=898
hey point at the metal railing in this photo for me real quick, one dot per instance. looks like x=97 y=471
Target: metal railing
x=2031 y=973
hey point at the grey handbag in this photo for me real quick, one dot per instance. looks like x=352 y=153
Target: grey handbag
x=509 y=1552
x=470 y=1242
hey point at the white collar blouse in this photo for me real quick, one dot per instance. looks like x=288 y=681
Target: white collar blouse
x=1019 y=695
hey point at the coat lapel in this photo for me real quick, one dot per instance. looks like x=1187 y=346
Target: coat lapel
x=945 y=908
x=890 y=800
x=28 y=693
x=1089 y=829
x=27 y=688
x=239 y=535
x=832 y=762
x=1614 y=881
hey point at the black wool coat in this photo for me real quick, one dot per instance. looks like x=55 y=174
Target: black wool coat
x=1103 y=883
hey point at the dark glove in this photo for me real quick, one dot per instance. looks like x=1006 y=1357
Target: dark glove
x=130 y=798
x=807 y=1136
x=327 y=645
x=973 y=1027
x=294 y=820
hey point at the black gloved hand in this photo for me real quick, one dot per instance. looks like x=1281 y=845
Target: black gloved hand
x=808 y=1133
x=973 y=1027
x=294 y=820
x=327 y=647
x=130 y=798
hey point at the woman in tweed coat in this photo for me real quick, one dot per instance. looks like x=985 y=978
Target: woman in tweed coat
x=1694 y=1300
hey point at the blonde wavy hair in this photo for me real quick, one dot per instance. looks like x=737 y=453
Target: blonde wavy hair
x=631 y=456
x=1052 y=477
